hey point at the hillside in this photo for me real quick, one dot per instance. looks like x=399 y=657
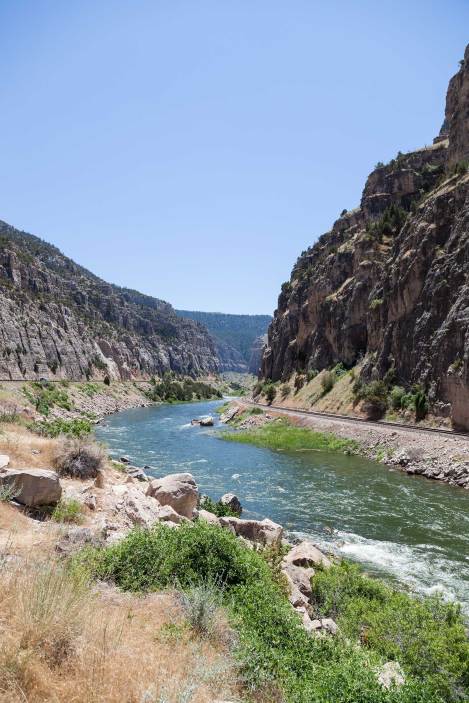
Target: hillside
x=386 y=290
x=237 y=337
x=58 y=320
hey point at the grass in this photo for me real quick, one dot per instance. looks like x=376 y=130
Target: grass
x=278 y=660
x=69 y=511
x=78 y=427
x=281 y=435
x=63 y=641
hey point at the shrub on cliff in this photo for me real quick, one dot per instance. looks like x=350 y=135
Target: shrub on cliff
x=327 y=381
x=374 y=396
x=79 y=458
x=270 y=392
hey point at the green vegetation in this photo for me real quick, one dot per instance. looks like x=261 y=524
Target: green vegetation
x=279 y=660
x=374 y=395
x=217 y=507
x=78 y=427
x=328 y=380
x=69 y=511
x=170 y=390
x=390 y=223
x=376 y=303
x=279 y=434
x=45 y=396
x=90 y=389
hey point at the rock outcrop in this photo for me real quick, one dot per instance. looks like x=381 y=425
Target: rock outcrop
x=58 y=320
x=179 y=491
x=32 y=487
x=389 y=282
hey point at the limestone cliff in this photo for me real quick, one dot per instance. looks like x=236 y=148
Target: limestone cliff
x=390 y=281
x=58 y=320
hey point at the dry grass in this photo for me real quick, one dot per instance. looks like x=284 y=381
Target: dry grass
x=25 y=449
x=62 y=642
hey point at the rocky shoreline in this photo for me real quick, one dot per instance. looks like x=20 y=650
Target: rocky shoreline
x=433 y=456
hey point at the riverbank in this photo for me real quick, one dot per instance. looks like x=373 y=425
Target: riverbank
x=439 y=457
x=252 y=617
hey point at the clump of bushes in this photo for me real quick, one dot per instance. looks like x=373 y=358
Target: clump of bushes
x=217 y=507
x=44 y=396
x=278 y=659
x=170 y=390
x=270 y=393
x=299 y=382
x=79 y=458
x=78 y=427
x=374 y=396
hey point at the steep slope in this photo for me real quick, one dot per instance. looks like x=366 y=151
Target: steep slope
x=236 y=337
x=389 y=282
x=58 y=320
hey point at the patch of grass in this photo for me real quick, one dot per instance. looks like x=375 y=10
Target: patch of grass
x=69 y=511
x=279 y=660
x=78 y=427
x=90 y=389
x=46 y=396
x=281 y=435
x=200 y=604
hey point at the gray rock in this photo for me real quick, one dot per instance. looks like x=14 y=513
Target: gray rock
x=233 y=502
x=33 y=487
x=262 y=531
x=177 y=490
x=306 y=554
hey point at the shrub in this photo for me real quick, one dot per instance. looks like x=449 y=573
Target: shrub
x=107 y=381
x=376 y=303
x=397 y=394
x=270 y=392
x=299 y=382
x=68 y=511
x=200 y=604
x=79 y=458
x=217 y=507
x=257 y=390
x=327 y=382
x=78 y=427
x=421 y=404
x=374 y=396
x=425 y=635
x=284 y=390
x=44 y=397
x=312 y=373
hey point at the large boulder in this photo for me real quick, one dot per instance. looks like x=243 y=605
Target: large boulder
x=264 y=532
x=299 y=578
x=32 y=487
x=177 y=490
x=306 y=554
x=233 y=502
x=208 y=517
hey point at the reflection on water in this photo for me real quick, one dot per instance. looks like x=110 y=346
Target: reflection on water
x=407 y=528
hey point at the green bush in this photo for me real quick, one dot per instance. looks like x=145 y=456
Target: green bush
x=217 y=507
x=45 y=396
x=397 y=394
x=421 y=404
x=170 y=391
x=328 y=380
x=374 y=396
x=276 y=655
x=270 y=392
x=68 y=511
x=426 y=635
x=77 y=427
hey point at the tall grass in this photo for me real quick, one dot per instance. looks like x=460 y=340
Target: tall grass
x=281 y=435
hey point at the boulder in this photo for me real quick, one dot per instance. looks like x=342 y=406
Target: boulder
x=167 y=514
x=390 y=674
x=208 y=517
x=324 y=625
x=136 y=473
x=233 y=502
x=206 y=422
x=177 y=490
x=300 y=578
x=33 y=487
x=263 y=531
x=4 y=461
x=139 y=508
x=306 y=554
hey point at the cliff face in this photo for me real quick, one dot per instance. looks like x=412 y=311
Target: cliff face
x=58 y=320
x=390 y=281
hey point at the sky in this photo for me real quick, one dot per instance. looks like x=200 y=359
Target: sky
x=192 y=149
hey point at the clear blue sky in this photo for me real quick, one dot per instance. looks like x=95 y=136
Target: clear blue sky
x=192 y=149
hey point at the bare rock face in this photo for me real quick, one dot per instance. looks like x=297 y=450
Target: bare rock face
x=58 y=320
x=389 y=281
x=32 y=487
x=179 y=491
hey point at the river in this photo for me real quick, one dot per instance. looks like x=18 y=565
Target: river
x=408 y=529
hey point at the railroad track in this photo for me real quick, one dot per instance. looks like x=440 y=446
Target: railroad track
x=359 y=420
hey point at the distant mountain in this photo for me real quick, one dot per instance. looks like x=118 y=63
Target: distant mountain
x=237 y=337
x=58 y=320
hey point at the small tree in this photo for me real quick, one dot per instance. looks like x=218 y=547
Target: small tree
x=421 y=405
x=327 y=382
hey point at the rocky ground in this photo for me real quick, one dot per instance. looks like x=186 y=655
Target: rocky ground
x=435 y=456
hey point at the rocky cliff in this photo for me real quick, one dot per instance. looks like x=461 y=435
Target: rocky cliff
x=58 y=320
x=390 y=282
